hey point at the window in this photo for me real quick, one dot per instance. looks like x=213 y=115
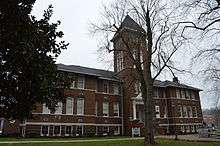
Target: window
x=119 y=61
x=46 y=110
x=155 y=93
x=116 y=89
x=1 y=125
x=193 y=95
x=44 y=130
x=183 y=94
x=134 y=53
x=117 y=130
x=96 y=108
x=80 y=106
x=79 y=130
x=157 y=111
x=165 y=112
x=58 y=109
x=187 y=94
x=68 y=130
x=194 y=112
x=177 y=93
x=185 y=114
x=81 y=82
x=179 y=111
x=116 y=109
x=73 y=85
x=105 y=130
x=137 y=87
x=105 y=108
x=190 y=111
x=140 y=115
x=141 y=60
x=69 y=105
x=105 y=87
x=57 y=130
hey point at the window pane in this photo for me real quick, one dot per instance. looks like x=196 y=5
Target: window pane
x=116 y=89
x=46 y=110
x=105 y=109
x=177 y=93
x=183 y=94
x=157 y=111
x=69 y=105
x=116 y=109
x=45 y=130
x=80 y=106
x=56 y=130
x=96 y=108
x=59 y=107
x=68 y=130
x=105 y=87
x=81 y=81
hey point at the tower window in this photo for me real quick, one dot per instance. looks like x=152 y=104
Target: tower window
x=120 y=64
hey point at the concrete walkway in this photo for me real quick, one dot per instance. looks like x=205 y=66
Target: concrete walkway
x=191 y=137
x=69 y=141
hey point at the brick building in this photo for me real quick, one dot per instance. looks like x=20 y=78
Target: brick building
x=101 y=102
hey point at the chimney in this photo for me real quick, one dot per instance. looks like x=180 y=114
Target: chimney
x=175 y=79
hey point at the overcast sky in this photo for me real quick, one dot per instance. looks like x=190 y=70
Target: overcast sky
x=75 y=16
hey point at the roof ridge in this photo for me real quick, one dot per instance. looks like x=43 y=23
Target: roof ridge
x=86 y=67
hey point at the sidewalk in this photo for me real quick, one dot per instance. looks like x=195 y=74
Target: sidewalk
x=190 y=137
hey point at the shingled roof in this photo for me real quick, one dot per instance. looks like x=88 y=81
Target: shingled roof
x=128 y=22
x=164 y=84
x=110 y=75
x=104 y=74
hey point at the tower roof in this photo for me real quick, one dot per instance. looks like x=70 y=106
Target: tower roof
x=128 y=22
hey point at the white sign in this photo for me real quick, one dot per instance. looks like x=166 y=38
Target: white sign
x=136 y=131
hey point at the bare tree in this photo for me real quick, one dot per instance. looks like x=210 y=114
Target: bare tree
x=203 y=19
x=161 y=41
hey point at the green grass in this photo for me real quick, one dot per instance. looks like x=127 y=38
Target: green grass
x=57 y=138
x=160 y=142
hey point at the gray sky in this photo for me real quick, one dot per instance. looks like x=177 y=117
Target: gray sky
x=75 y=16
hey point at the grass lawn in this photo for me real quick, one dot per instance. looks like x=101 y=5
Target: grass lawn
x=57 y=138
x=160 y=142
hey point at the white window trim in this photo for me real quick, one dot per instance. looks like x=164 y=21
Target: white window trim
x=54 y=130
x=45 y=108
x=178 y=96
x=190 y=112
x=83 y=80
x=157 y=111
x=83 y=105
x=96 y=108
x=73 y=85
x=107 y=85
x=116 y=89
x=181 y=111
x=82 y=129
x=59 y=106
x=104 y=134
x=107 y=108
x=118 y=131
x=72 y=99
x=48 y=130
x=70 y=130
x=117 y=105
x=185 y=111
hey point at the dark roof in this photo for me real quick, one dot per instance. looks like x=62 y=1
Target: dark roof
x=128 y=22
x=166 y=83
x=108 y=75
